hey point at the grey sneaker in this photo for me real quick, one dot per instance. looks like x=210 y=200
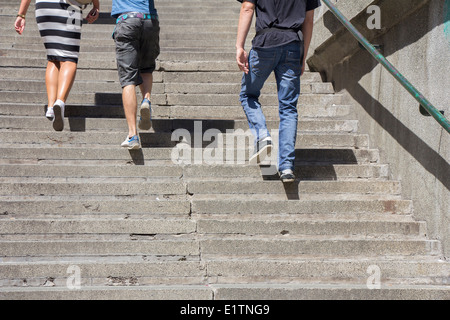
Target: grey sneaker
x=287 y=176
x=145 y=120
x=263 y=148
x=58 y=117
x=131 y=143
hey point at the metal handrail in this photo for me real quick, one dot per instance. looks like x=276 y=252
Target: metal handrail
x=388 y=66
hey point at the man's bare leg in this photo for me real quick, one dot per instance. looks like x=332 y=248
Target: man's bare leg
x=129 y=101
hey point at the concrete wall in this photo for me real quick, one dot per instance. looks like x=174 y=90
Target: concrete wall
x=415 y=38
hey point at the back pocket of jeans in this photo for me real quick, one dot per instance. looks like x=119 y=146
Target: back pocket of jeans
x=260 y=61
x=294 y=62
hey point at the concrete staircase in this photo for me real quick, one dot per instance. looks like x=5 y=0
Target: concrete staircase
x=151 y=225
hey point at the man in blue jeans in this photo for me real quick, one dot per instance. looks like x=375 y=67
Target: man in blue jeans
x=283 y=35
x=137 y=46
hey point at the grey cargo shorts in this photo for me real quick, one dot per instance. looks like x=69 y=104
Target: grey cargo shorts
x=137 y=47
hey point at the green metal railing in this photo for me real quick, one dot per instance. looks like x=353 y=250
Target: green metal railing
x=380 y=58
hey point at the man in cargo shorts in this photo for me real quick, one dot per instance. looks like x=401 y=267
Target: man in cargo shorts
x=283 y=35
x=137 y=46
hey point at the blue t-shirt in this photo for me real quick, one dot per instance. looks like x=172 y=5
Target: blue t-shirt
x=122 y=6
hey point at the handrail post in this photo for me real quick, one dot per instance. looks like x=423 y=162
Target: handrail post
x=397 y=75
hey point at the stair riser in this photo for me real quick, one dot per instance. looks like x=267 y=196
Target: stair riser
x=173 y=112
x=194 y=140
x=184 y=156
x=158 y=88
x=233 y=77
x=292 y=207
x=151 y=206
x=103 y=98
x=195 y=273
x=221 y=248
x=303 y=172
x=54 y=228
x=169 y=125
x=275 y=187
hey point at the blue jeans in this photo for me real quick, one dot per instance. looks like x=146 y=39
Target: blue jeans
x=286 y=62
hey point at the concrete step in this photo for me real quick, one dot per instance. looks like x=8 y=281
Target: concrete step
x=86 y=205
x=210 y=247
x=161 y=292
x=106 y=25
x=38 y=73
x=86 y=187
x=373 y=225
x=142 y=186
x=215 y=204
x=237 y=186
x=233 y=292
x=171 y=246
x=57 y=228
x=233 y=77
x=401 y=226
x=110 y=64
x=19 y=206
x=158 y=88
x=102 y=98
x=211 y=42
x=77 y=114
x=224 y=77
x=33 y=123
x=182 y=155
x=329 y=292
x=102 y=169
x=99 y=273
x=167 y=16
x=238 y=140
x=214 y=53
x=98 y=31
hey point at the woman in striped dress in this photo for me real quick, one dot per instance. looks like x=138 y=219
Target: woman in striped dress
x=59 y=23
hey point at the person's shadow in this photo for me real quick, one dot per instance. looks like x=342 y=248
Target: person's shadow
x=137 y=156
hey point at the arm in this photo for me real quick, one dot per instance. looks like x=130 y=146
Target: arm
x=245 y=20
x=19 y=24
x=94 y=13
x=307 y=29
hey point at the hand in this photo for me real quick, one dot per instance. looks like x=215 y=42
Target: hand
x=242 y=60
x=19 y=25
x=92 y=15
x=303 y=67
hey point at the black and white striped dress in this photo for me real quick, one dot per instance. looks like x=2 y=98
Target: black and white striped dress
x=59 y=24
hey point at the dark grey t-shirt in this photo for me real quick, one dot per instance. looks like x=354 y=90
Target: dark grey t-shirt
x=284 y=14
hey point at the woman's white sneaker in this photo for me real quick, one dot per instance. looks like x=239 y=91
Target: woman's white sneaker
x=50 y=114
x=131 y=143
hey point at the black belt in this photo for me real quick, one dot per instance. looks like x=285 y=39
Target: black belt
x=275 y=29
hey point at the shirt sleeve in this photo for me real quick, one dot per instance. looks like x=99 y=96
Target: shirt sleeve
x=312 y=4
x=252 y=1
